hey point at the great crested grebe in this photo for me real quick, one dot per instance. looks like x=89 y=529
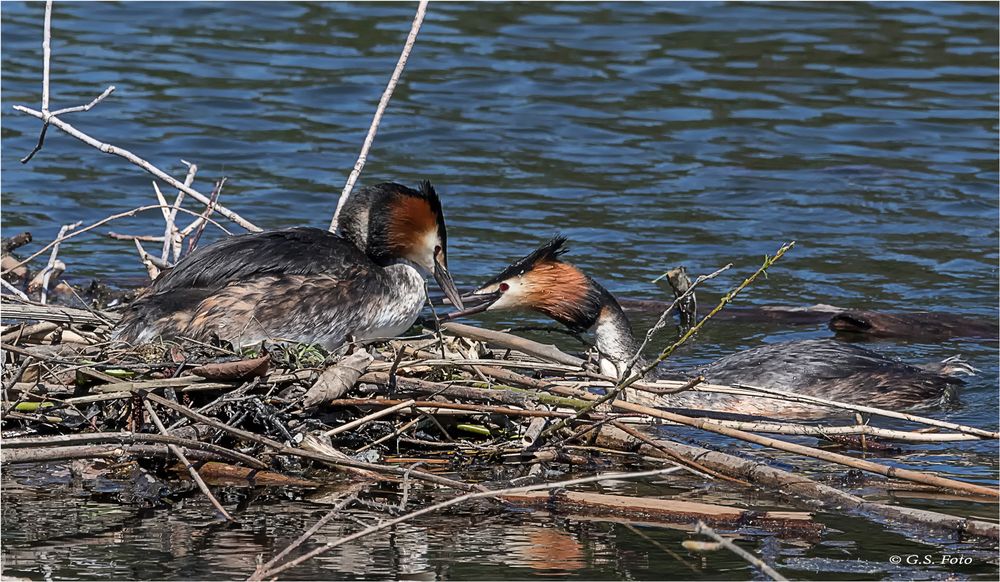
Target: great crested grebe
x=827 y=368
x=305 y=284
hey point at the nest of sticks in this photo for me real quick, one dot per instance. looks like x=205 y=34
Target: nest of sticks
x=487 y=413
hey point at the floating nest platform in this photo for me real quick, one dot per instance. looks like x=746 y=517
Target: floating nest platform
x=485 y=413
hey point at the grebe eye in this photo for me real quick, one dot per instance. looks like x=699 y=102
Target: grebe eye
x=504 y=287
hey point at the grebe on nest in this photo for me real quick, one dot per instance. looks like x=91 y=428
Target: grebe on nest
x=827 y=368
x=305 y=284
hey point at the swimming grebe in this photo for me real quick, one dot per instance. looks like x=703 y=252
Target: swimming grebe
x=923 y=326
x=305 y=284
x=831 y=369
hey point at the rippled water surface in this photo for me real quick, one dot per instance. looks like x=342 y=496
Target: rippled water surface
x=652 y=135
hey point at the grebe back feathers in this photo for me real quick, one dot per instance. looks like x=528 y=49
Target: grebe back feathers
x=305 y=284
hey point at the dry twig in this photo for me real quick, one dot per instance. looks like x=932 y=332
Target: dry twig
x=51 y=118
x=187 y=464
x=267 y=573
x=50 y=267
x=105 y=220
x=754 y=561
x=418 y=19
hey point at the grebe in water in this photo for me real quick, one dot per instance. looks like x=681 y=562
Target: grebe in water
x=827 y=368
x=305 y=284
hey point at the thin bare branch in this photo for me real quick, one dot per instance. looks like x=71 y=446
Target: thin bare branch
x=140 y=237
x=88 y=106
x=50 y=267
x=754 y=561
x=184 y=461
x=164 y=207
x=49 y=116
x=309 y=532
x=454 y=501
x=46 y=55
x=625 y=382
x=38 y=145
x=366 y=419
x=17 y=292
x=418 y=19
x=927 y=478
x=152 y=268
x=346 y=462
x=662 y=321
x=100 y=222
x=171 y=235
x=134 y=159
x=198 y=225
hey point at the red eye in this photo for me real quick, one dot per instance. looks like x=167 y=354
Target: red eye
x=504 y=287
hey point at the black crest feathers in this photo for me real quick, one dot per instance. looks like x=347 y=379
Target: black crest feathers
x=550 y=251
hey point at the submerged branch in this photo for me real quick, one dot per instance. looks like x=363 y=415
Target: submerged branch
x=267 y=573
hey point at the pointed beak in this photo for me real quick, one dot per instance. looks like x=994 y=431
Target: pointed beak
x=443 y=278
x=478 y=303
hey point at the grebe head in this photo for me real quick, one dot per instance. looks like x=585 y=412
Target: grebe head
x=391 y=222
x=542 y=282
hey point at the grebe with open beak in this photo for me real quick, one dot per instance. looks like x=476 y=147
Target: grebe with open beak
x=306 y=285
x=542 y=282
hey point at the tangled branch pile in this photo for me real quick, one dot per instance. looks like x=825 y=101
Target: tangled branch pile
x=464 y=408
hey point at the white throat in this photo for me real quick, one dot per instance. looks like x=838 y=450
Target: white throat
x=615 y=342
x=399 y=306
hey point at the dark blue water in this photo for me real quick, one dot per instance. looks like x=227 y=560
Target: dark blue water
x=652 y=135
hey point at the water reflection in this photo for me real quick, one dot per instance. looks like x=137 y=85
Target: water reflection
x=544 y=548
x=91 y=539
